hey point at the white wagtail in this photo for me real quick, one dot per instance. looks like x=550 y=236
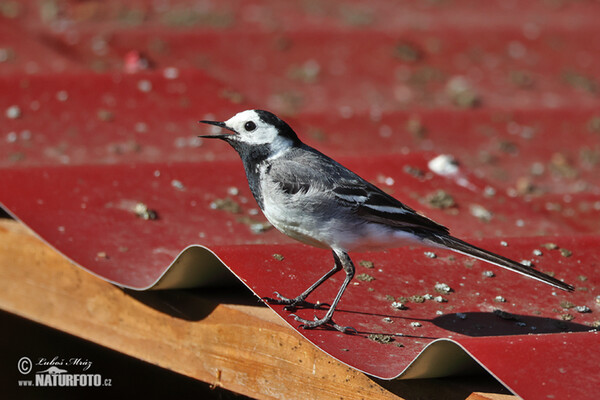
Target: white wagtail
x=314 y=199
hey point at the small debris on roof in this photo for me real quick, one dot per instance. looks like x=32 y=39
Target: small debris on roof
x=388 y=320
x=550 y=246
x=440 y=199
x=488 y=274
x=177 y=184
x=171 y=73
x=365 y=277
x=398 y=305
x=233 y=191
x=278 y=257
x=144 y=85
x=140 y=127
x=6 y=54
x=537 y=252
x=414 y=171
x=11 y=137
x=461 y=315
x=105 y=115
x=135 y=61
x=386 y=180
x=381 y=338
x=499 y=299
x=442 y=288
x=416 y=127
x=566 y=253
x=443 y=164
x=141 y=210
x=583 y=309
x=440 y=299
x=480 y=212
x=430 y=254
x=522 y=79
x=566 y=304
x=226 y=204
x=462 y=93
x=525 y=185
x=489 y=191
x=593 y=124
x=13 y=112
x=407 y=52
x=561 y=167
x=417 y=299
x=580 y=81
x=416 y=324
x=526 y=263
x=25 y=134
x=307 y=72
x=504 y=243
x=256 y=227
x=366 y=264
x=567 y=317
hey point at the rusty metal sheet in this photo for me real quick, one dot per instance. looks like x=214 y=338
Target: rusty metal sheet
x=100 y=158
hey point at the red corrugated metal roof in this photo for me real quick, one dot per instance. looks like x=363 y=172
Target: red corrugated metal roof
x=509 y=89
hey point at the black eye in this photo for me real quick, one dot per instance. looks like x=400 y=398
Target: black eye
x=249 y=126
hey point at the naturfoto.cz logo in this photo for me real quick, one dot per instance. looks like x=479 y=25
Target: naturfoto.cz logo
x=55 y=373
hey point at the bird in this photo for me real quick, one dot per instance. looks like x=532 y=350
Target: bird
x=312 y=198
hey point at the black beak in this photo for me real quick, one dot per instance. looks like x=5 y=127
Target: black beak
x=220 y=125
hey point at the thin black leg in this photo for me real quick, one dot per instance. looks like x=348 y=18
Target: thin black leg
x=342 y=261
x=293 y=303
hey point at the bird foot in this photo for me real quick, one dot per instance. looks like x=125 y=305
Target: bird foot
x=290 y=304
x=306 y=324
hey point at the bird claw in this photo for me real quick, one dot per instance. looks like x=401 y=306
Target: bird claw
x=306 y=324
x=290 y=304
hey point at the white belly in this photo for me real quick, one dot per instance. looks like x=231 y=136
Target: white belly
x=339 y=231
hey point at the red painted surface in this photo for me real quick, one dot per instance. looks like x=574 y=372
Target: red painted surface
x=109 y=96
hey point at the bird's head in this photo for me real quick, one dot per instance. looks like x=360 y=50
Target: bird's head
x=252 y=128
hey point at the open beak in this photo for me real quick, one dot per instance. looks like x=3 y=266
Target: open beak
x=220 y=125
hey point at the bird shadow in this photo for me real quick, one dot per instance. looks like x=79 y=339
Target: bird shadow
x=500 y=323
x=480 y=324
x=197 y=304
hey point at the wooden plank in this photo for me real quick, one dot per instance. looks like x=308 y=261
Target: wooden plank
x=246 y=349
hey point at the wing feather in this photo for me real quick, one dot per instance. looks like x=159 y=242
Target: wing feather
x=335 y=182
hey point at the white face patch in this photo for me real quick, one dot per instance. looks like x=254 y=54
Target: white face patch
x=262 y=133
x=251 y=129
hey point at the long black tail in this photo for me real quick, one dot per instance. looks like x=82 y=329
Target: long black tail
x=463 y=247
